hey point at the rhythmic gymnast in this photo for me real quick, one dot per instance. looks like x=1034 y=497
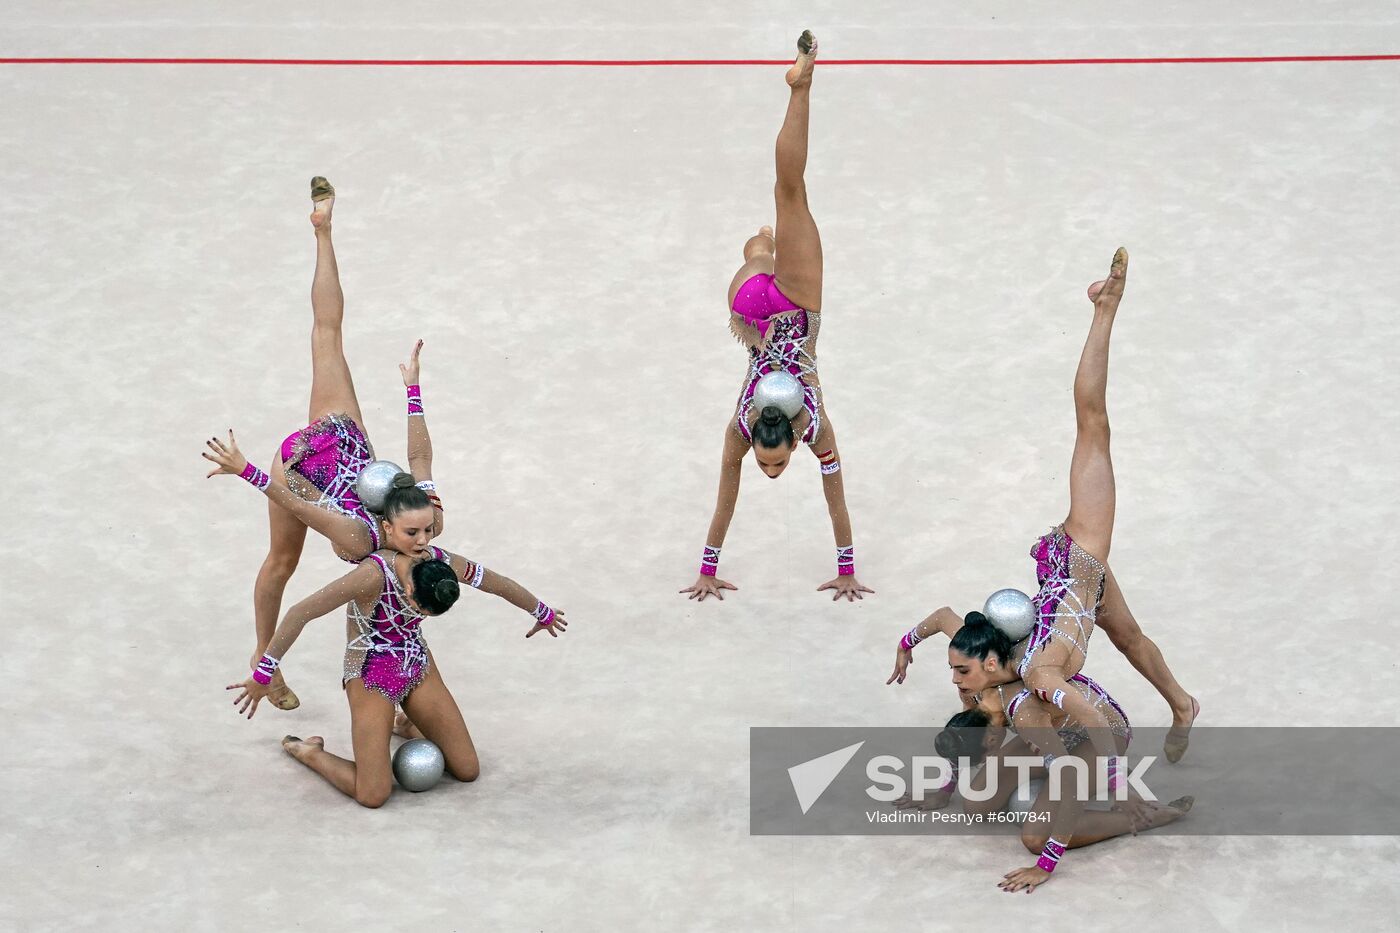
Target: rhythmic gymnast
x=994 y=700
x=387 y=662
x=312 y=483
x=775 y=304
x=1077 y=588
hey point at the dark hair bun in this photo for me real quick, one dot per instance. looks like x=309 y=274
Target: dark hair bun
x=772 y=414
x=403 y=481
x=975 y=618
x=435 y=586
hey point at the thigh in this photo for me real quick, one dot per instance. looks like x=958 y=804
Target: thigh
x=332 y=389
x=287 y=532
x=1092 y=496
x=1114 y=616
x=797 y=265
x=1055 y=660
x=434 y=711
x=371 y=724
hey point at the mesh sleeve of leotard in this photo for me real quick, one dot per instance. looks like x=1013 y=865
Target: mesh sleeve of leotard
x=468 y=571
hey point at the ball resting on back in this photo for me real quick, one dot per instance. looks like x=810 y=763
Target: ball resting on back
x=780 y=389
x=1012 y=612
x=418 y=765
x=374 y=482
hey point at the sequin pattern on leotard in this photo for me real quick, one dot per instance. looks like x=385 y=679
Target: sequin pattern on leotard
x=386 y=648
x=1073 y=733
x=787 y=345
x=330 y=454
x=1071 y=588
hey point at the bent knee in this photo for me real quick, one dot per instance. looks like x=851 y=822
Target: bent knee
x=280 y=564
x=372 y=797
x=466 y=770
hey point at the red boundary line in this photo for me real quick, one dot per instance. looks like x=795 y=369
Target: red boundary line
x=648 y=62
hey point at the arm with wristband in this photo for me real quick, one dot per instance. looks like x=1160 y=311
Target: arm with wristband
x=708 y=583
x=420 y=444
x=943 y=620
x=473 y=574
x=361 y=584
x=346 y=534
x=834 y=488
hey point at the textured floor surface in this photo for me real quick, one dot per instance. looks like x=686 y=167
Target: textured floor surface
x=562 y=238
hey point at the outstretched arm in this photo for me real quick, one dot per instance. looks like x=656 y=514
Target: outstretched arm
x=361 y=584
x=845 y=583
x=730 y=471
x=942 y=620
x=488 y=581
x=420 y=445
x=348 y=535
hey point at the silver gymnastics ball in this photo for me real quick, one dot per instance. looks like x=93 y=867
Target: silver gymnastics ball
x=1011 y=611
x=374 y=482
x=418 y=765
x=779 y=388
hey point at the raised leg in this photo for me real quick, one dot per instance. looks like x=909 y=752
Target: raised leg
x=1116 y=619
x=368 y=777
x=1092 y=495
x=797 y=265
x=332 y=389
x=433 y=710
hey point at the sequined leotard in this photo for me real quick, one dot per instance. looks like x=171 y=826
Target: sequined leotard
x=779 y=335
x=1071 y=588
x=386 y=647
x=1071 y=731
x=330 y=455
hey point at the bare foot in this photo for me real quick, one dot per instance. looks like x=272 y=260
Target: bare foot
x=322 y=203
x=1179 y=735
x=1180 y=806
x=404 y=727
x=766 y=230
x=1117 y=274
x=800 y=74
x=1162 y=814
x=280 y=695
x=300 y=748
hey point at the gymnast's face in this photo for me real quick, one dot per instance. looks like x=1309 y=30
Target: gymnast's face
x=409 y=532
x=773 y=460
x=971 y=675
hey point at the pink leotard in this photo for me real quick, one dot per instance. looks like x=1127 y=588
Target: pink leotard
x=786 y=335
x=758 y=299
x=386 y=648
x=330 y=455
x=1071 y=732
x=1071 y=588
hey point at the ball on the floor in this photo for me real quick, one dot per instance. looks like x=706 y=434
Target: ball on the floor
x=779 y=388
x=418 y=765
x=1011 y=611
x=1024 y=796
x=374 y=482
